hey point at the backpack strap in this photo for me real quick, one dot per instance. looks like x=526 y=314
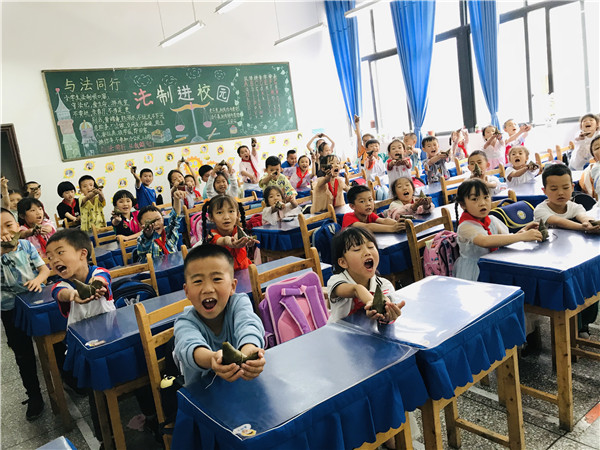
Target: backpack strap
x=290 y=304
x=317 y=308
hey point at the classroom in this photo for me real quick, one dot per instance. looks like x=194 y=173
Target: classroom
x=547 y=72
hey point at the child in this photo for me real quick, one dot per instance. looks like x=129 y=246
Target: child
x=203 y=175
x=145 y=194
x=275 y=177
x=410 y=142
x=124 y=219
x=516 y=135
x=291 y=160
x=399 y=165
x=590 y=128
x=32 y=189
x=519 y=172
x=223 y=182
x=435 y=166
x=229 y=219
x=276 y=209
x=34 y=227
x=459 y=140
x=23 y=270
x=373 y=165
x=189 y=183
x=69 y=207
x=361 y=141
x=217 y=315
x=329 y=187
x=403 y=190
x=249 y=164
x=479 y=158
x=320 y=137
x=301 y=178
x=362 y=204
x=494 y=146
x=558 y=209
x=155 y=237
x=590 y=178
x=355 y=259
x=478 y=233
x=91 y=203
x=10 y=198
x=68 y=253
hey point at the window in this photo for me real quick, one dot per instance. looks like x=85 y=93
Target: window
x=384 y=27
x=538 y=66
x=393 y=110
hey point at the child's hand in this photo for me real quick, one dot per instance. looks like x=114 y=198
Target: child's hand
x=132 y=169
x=245 y=241
x=530 y=226
x=34 y=285
x=230 y=372
x=180 y=195
x=393 y=310
x=254 y=367
x=4 y=183
x=589 y=228
x=399 y=226
x=531 y=234
x=253 y=179
x=356 y=119
x=46 y=229
x=292 y=201
x=74 y=297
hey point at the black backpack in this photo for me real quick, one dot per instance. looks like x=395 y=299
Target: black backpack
x=128 y=290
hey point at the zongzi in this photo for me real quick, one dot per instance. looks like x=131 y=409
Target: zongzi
x=477 y=171
x=379 y=301
x=542 y=228
x=87 y=290
x=14 y=241
x=231 y=355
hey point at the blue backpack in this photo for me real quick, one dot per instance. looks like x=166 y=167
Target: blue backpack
x=128 y=290
x=321 y=239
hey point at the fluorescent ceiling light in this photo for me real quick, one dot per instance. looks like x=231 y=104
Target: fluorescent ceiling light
x=363 y=6
x=183 y=33
x=227 y=5
x=301 y=33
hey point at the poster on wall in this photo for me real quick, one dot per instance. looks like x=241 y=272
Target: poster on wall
x=97 y=112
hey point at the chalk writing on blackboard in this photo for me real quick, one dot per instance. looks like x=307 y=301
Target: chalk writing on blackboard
x=105 y=111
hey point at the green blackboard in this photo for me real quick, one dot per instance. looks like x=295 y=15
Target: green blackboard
x=99 y=112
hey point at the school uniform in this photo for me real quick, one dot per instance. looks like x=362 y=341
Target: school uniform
x=527 y=177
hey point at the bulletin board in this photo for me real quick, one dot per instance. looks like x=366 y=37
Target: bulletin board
x=97 y=112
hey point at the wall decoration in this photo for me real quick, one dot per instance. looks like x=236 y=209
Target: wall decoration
x=101 y=181
x=186 y=151
x=169 y=156
x=109 y=167
x=220 y=150
x=286 y=142
x=159 y=170
x=299 y=136
x=272 y=140
x=280 y=156
x=123 y=182
x=69 y=173
x=231 y=160
x=89 y=165
x=129 y=163
x=159 y=189
x=203 y=148
x=148 y=158
x=265 y=155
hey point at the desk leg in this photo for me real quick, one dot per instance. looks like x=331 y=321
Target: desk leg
x=115 y=418
x=508 y=376
x=403 y=439
x=432 y=426
x=563 y=369
x=574 y=333
x=103 y=419
x=451 y=414
x=46 y=371
x=56 y=380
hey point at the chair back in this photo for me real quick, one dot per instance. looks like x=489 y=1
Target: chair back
x=126 y=242
x=251 y=198
x=497 y=171
x=148 y=266
x=416 y=245
x=511 y=196
x=350 y=178
x=449 y=187
x=560 y=150
x=184 y=251
x=258 y=209
x=97 y=231
x=305 y=222
x=256 y=279
x=460 y=163
x=188 y=213
x=60 y=223
x=543 y=158
x=151 y=342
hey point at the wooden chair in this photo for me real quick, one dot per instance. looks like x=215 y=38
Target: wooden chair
x=188 y=213
x=256 y=279
x=251 y=198
x=60 y=223
x=96 y=231
x=449 y=187
x=511 y=196
x=258 y=209
x=543 y=158
x=148 y=266
x=93 y=256
x=416 y=245
x=349 y=178
x=184 y=251
x=460 y=163
x=304 y=223
x=383 y=203
x=560 y=150
x=126 y=242
x=150 y=343
x=497 y=171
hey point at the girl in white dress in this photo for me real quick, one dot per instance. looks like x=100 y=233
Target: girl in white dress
x=478 y=233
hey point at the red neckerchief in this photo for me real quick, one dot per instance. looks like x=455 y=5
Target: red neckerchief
x=461 y=144
x=485 y=223
x=334 y=190
x=162 y=243
x=253 y=168
x=299 y=175
x=41 y=240
x=72 y=206
x=357 y=305
x=372 y=164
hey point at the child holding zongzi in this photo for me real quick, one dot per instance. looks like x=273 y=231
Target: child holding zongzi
x=352 y=287
x=84 y=290
x=217 y=315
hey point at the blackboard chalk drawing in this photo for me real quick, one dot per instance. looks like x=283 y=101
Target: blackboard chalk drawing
x=233 y=129
x=181 y=138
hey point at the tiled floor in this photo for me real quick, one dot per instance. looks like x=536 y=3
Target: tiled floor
x=478 y=405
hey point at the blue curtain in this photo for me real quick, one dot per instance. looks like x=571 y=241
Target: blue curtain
x=413 y=27
x=484 y=33
x=344 y=41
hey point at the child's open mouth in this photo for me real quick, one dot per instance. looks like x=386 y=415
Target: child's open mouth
x=209 y=303
x=369 y=264
x=61 y=269
x=406 y=193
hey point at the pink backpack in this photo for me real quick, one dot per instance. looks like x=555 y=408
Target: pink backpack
x=293 y=307
x=196 y=228
x=440 y=254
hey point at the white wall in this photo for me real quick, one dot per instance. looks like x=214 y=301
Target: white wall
x=80 y=35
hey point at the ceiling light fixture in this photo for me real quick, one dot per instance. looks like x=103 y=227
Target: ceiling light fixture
x=362 y=7
x=181 y=34
x=306 y=32
x=227 y=6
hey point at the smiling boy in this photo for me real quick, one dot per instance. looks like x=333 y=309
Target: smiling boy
x=363 y=214
x=435 y=165
x=217 y=315
x=274 y=176
x=145 y=194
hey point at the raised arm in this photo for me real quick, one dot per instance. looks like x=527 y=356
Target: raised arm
x=138 y=181
x=5 y=194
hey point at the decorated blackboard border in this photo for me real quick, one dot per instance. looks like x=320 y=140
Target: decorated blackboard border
x=100 y=112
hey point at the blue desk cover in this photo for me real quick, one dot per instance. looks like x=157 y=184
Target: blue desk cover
x=333 y=388
x=37 y=314
x=169 y=272
x=529 y=192
x=121 y=357
x=394 y=253
x=559 y=274
x=462 y=328
x=433 y=190
x=282 y=236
